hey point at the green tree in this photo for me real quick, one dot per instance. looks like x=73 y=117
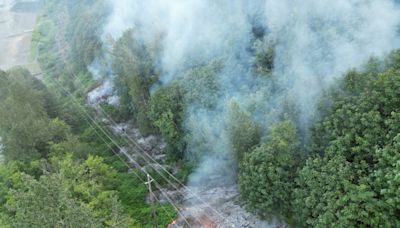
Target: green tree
x=87 y=179
x=134 y=65
x=264 y=56
x=67 y=39
x=200 y=85
x=167 y=111
x=24 y=124
x=45 y=203
x=110 y=211
x=386 y=181
x=243 y=132
x=345 y=182
x=3 y=85
x=84 y=30
x=327 y=196
x=68 y=193
x=266 y=174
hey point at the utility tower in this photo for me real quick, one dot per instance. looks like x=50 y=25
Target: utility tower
x=152 y=199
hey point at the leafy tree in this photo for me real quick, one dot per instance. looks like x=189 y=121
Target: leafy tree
x=346 y=184
x=264 y=56
x=24 y=124
x=200 y=85
x=242 y=131
x=3 y=85
x=68 y=193
x=134 y=65
x=73 y=145
x=71 y=114
x=327 y=196
x=84 y=31
x=110 y=210
x=88 y=179
x=167 y=111
x=386 y=180
x=266 y=174
x=45 y=203
x=8 y=175
x=67 y=39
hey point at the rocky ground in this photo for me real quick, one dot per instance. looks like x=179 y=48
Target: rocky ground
x=145 y=151
x=217 y=207
x=212 y=206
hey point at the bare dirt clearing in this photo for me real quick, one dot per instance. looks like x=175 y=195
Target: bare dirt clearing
x=15 y=35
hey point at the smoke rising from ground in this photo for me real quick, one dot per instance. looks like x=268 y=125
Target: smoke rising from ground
x=314 y=41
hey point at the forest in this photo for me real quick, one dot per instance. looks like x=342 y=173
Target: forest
x=230 y=96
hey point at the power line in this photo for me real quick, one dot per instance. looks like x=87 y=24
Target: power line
x=104 y=132
x=138 y=147
x=119 y=147
x=146 y=157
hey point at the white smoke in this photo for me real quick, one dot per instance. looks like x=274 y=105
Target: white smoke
x=315 y=42
x=318 y=41
x=104 y=92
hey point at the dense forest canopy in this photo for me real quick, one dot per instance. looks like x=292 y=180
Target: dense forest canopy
x=296 y=105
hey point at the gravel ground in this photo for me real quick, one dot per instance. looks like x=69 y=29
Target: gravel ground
x=217 y=207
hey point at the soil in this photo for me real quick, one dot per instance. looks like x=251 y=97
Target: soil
x=16 y=29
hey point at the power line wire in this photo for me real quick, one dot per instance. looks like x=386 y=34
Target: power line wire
x=137 y=145
x=120 y=148
x=140 y=148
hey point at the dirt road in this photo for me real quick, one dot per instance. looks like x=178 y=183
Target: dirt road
x=15 y=35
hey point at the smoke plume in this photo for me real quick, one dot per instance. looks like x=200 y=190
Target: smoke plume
x=314 y=43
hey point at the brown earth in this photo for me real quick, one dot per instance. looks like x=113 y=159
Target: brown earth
x=15 y=36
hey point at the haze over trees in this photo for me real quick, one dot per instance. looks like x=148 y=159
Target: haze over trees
x=340 y=181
